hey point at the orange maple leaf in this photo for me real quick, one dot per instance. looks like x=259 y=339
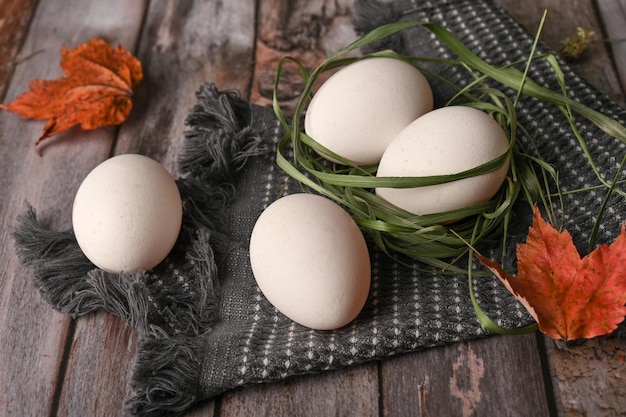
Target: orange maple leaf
x=97 y=90
x=569 y=297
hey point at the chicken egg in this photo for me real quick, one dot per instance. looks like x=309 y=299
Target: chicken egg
x=445 y=141
x=311 y=261
x=127 y=214
x=358 y=111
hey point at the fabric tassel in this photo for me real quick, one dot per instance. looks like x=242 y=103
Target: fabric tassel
x=220 y=139
x=166 y=377
x=171 y=305
x=219 y=142
x=59 y=266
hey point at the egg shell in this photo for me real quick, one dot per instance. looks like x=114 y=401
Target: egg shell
x=311 y=261
x=127 y=214
x=360 y=109
x=445 y=141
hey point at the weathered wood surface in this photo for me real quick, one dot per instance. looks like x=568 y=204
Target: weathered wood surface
x=563 y=17
x=468 y=379
x=613 y=15
x=587 y=380
x=308 y=30
x=14 y=19
x=35 y=340
x=52 y=365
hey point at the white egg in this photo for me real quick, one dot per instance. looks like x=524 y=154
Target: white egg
x=310 y=260
x=445 y=141
x=358 y=111
x=127 y=214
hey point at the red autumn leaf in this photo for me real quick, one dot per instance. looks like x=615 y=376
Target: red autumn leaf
x=569 y=297
x=97 y=90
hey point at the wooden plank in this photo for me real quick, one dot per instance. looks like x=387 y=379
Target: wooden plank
x=31 y=345
x=306 y=30
x=613 y=15
x=98 y=368
x=499 y=376
x=564 y=16
x=586 y=378
x=349 y=392
x=177 y=36
x=184 y=45
x=92 y=381
x=589 y=378
x=15 y=15
x=33 y=338
x=176 y=61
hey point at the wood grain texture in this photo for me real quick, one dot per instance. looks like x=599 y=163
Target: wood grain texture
x=564 y=16
x=613 y=14
x=92 y=381
x=499 y=376
x=15 y=15
x=184 y=45
x=99 y=366
x=306 y=30
x=349 y=392
x=584 y=381
x=589 y=378
x=34 y=337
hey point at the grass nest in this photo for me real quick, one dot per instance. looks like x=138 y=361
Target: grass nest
x=431 y=239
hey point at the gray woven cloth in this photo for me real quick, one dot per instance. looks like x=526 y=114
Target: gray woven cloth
x=206 y=327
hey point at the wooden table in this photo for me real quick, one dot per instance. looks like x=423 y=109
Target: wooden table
x=53 y=365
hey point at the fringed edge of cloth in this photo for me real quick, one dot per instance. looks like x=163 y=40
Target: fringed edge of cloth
x=219 y=140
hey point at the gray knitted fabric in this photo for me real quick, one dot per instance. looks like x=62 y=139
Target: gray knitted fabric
x=206 y=327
